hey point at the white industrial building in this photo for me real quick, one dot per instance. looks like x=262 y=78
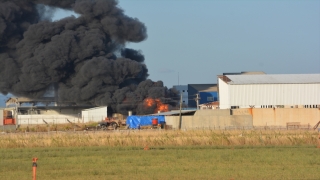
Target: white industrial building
x=94 y=114
x=269 y=91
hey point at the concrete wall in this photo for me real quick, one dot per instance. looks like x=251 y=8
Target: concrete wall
x=222 y=118
x=210 y=119
x=280 y=116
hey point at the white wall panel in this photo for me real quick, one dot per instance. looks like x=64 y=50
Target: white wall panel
x=50 y=119
x=223 y=94
x=268 y=94
x=94 y=114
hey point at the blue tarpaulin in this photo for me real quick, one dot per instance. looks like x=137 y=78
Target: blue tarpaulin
x=135 y=121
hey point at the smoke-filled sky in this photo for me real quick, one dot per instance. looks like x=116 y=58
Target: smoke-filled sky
x=201 y=39
x=84 y=58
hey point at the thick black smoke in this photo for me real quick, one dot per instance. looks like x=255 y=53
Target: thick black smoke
x=77 y=55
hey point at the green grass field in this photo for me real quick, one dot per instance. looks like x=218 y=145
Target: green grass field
x=198 y=154
x=178 y=162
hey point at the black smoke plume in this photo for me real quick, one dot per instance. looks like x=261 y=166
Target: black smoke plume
x=85 y=56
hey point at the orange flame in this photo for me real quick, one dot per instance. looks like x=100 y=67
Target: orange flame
x=149 y=102
x=159 y=105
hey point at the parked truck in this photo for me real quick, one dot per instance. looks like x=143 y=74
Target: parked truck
x=112 y=122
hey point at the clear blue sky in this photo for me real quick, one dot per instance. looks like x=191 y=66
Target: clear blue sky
x=200 y=39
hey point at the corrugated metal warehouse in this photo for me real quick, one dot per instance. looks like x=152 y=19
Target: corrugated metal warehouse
x=269 y=91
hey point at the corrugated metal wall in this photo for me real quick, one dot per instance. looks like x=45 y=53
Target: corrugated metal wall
x=206 y=97
x=223 y=95
x=95 y=114
x=269 y=94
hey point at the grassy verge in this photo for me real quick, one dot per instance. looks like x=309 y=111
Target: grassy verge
x=159 y=138
x=201 y=154
x=55 y=127
x=182 y=162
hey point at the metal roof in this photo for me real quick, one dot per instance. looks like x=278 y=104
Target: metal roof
x=275 y=79
x=24 y=99
x=93 y=108
x=204 y=87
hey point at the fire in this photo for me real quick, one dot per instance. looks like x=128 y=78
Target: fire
x=162 y=107
x=149 y=102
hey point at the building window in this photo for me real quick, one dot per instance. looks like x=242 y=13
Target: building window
x=182 y=90
x=209 y=98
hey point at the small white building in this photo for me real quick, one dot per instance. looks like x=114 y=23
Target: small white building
x=94 y=114
x=269 y=91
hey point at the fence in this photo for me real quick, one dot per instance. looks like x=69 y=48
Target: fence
x=57 y=119
x=307 y=127
x=47 y=119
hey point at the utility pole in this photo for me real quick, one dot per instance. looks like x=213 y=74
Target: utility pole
x=16 y=114
x=197 y=100
x=180 y=118
x=178 y=79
